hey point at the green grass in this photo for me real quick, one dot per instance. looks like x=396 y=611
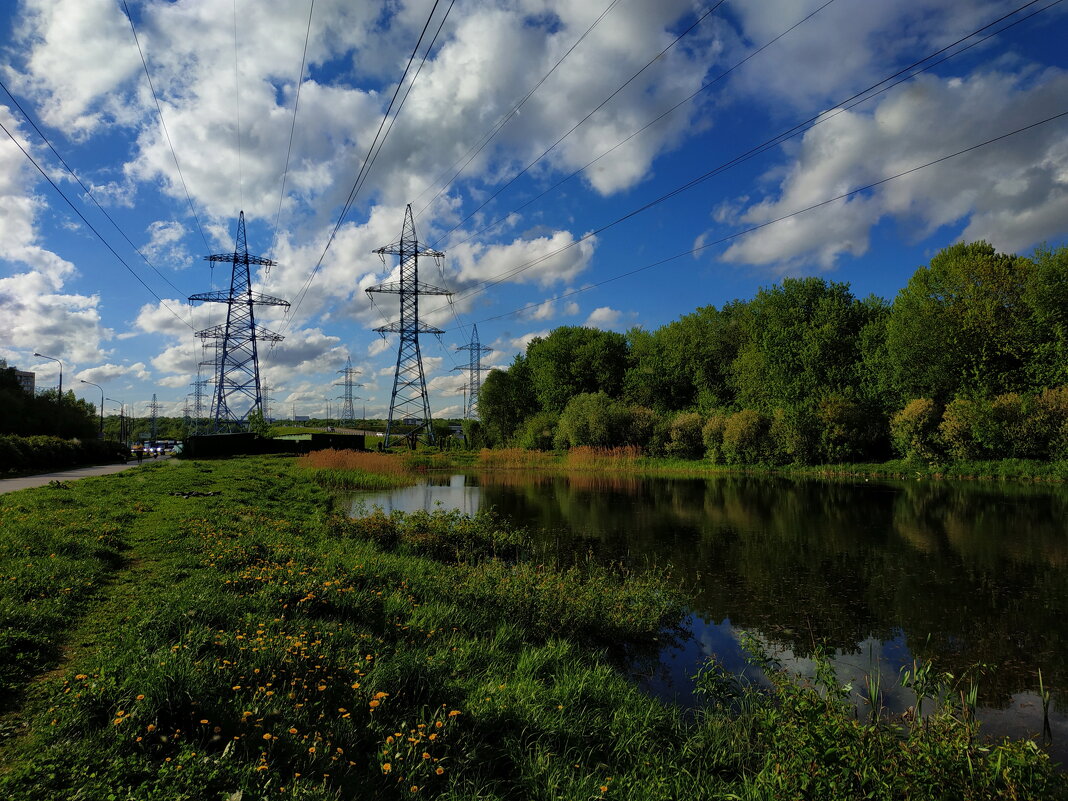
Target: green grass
x=254 y=641
x=357 y=479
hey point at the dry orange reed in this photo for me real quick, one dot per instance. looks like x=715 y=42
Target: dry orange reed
x=588 y=458
x=331 y=459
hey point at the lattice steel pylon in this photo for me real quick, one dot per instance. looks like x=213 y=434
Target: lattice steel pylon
x=474 y=373
x=347 y=411
x=237 y=376
x=409 y=382
x=153 y=409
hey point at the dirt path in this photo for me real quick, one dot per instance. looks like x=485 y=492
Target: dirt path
x=39 y=480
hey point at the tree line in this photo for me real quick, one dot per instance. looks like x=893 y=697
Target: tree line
x=969 y=361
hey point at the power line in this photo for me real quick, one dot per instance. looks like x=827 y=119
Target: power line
x=293 y=125
x=783 y=217
x=575 y=127
x=163 y=125
x=368 y=159
x=237 y=116
x=497 y=126
x=851 y=102
x=90 y=225
x=86 y=189
x=651 y=123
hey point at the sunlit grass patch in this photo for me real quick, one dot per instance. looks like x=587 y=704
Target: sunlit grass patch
x=346 y=469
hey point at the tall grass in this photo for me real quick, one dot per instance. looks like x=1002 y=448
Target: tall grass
x=346 y=469
x=516 y=459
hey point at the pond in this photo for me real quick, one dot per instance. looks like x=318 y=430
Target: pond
x=875 y=572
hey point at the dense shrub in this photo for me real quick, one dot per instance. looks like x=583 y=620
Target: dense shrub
x=914 y=430
x=592 y=419
x=746 y=438
x=847 y=430
x=1049 y=421
x=537 y=431
x=684 y=436
x=53 y=453
x=712 y=436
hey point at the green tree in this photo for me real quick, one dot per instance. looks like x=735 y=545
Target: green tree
x=802 y=345
x=961 y=324
x=686 y=363
x=505 y=400
x=571 y=361
x=593 y=418
x=1047 y=298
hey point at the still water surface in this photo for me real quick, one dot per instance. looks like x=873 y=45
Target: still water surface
x=878 y=573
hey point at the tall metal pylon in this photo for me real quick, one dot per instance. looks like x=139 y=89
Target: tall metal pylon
x=237 y=376
x=266 y=405
x=409 y=397
x=474 y=373
x=153 y=409
x=347 y=412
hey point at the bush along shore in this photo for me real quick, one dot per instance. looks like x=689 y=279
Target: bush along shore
x=212 y=630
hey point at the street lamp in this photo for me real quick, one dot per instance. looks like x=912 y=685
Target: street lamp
x=53 y=358
x=90 y=383
x=122 y=419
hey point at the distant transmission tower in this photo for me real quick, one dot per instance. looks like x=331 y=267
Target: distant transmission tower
x=409 y=399
x=153 y=409
x=350 y=372
x=237 y=375
x=474 y=373
x=266 y=405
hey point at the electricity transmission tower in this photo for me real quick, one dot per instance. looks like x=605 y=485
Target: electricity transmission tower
x=266 y=405
x=153 y=409
x=350 y=372
x=409 y=399
x=474 y=372
x=237 y=374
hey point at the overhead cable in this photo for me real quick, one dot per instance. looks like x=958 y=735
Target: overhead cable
x=90 y=226
x=163 y=125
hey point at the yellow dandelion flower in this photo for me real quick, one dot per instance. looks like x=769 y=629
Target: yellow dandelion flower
x=151 y=727
x=438 y=724
x=386 y=767
x=80 y=676
x=415 y=789
x=426 y=755
x=204 y=721
x=373 y=704
x=454 y=713
x=266 y=736
x=311 y=750
x=292 y=731
x=140 y=698
x=439 y=770
x=381 y=695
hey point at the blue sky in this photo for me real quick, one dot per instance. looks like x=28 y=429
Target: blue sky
x=226 y=77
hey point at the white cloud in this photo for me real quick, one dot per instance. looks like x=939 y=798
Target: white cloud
x=1013 y=193
x=544 y=260
x=106 y=373
x=603 y=317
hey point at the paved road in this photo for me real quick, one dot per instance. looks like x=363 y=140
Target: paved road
x=39 y=480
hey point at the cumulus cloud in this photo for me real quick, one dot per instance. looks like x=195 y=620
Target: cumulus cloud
x=1013 y=193
x=603 y=317
x=544 y=260
x=108 y=372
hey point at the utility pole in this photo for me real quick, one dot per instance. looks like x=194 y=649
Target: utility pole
x=347 y=412
x=409 y=397
x=474 y=373
x=237 y=381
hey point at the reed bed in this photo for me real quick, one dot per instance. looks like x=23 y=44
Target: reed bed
x=517 y=459
x=626 y=457
x=345 y=469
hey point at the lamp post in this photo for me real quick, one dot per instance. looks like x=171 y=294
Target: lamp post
x=122 y=420
x=90 y=383
x=53 y=358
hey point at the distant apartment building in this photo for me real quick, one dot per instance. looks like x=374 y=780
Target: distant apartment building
x=26 y=380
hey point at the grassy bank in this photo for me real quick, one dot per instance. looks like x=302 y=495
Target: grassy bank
x=631 y=460
x=211 y=630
